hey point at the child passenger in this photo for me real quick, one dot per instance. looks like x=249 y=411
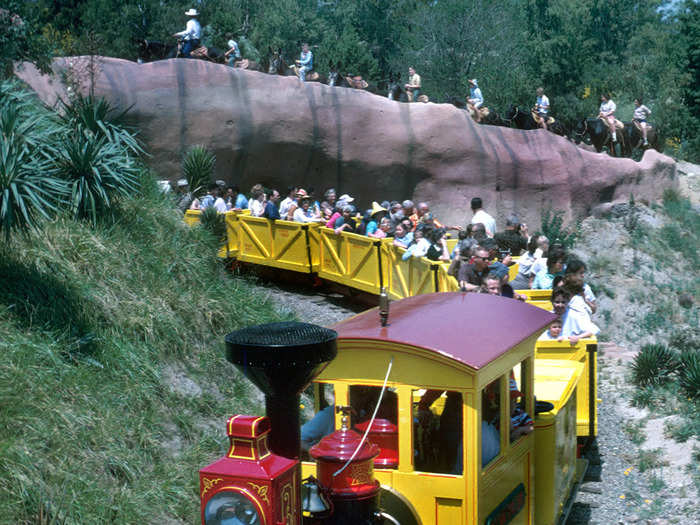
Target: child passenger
x=553 y=333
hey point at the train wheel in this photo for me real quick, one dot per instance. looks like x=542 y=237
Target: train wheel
x=396 y=509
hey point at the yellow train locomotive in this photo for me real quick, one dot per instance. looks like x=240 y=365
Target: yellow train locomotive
x=440 y=414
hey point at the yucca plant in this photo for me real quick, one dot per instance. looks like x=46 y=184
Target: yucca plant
x=198 y=168
x=96 y=171
x=214 y=222
x=653 y=364
x=27 y=189
x=96 y=116
x=689 y=374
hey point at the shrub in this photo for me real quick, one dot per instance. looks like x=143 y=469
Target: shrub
x=689 y=374
x=553 y=227
x=96 y=172
x=198 y=168
x=96 y=116
x=214 y=222
x=653 y=364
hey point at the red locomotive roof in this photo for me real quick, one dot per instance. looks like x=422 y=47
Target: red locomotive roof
x=471 y=328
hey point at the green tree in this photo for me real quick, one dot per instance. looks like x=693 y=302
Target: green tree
x=20 y=39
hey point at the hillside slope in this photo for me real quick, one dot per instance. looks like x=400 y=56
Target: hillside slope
x=111 y=367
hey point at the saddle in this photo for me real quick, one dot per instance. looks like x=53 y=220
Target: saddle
x=639 y=126
x=618 y=124
x=244 y=63
x=200 y=52
x=483 y=112
x=423 y=98
x=357 y=82
x=310 y=75
x=550 y=119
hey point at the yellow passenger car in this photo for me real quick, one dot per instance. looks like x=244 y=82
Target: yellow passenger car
x=461 y=378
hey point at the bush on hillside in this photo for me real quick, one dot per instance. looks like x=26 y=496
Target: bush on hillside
x=198 y=167
x=653 y=365
x=555 y=230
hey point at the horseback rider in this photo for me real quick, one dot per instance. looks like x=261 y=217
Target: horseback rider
x=192 y=33
x=305 y=62
x=607 y=113
x=413 y=86
x=475 y=99
x=541 y=109
x=641 y=112
x=234 y=53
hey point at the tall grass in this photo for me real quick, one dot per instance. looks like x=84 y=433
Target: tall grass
x=103 y=328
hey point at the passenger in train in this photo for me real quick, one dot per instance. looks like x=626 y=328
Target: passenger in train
x=524 y=278
x=555 y=266
x=288 y=201
x=256 y=204
x=494 y=285
x=345 y=223
x=560 y=300
x=330 y=197
x=576 y=273
x=419 y=247
x=402 y=236
x=577 y=323
x=553 y=333
x=272 y=212
x=471 y=276
x=375 y=215
x=408 y=211
x=437 y=251
x=395 y=212
x=514 y=237
x=304 y=213
x=481 y=216
x=384 y=229
x=235 y=199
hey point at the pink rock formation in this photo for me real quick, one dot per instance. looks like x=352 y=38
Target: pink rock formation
x=278 y=131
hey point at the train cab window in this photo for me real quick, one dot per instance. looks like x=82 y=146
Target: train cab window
x=437 y=431
x=490 y=422
x=363 y=400
x=520 y=422
x=317 y=415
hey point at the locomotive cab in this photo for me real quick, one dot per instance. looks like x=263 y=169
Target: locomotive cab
x=462 y=380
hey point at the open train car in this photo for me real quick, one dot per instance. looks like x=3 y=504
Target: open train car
x=463 y=372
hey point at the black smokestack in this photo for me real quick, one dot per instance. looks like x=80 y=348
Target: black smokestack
x=281 y=359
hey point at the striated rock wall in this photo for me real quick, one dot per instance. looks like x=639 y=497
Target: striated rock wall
x=278 y=131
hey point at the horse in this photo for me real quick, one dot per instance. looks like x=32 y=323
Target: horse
x=395 y=90
x=523 y=119
x=633 y=138
x=599 y=135
x=151 y=50
x=278 y=66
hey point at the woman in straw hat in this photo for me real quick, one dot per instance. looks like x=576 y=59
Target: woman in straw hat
x=376 y=214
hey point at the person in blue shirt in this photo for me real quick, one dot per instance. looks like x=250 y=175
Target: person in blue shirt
x=376 y=215
x=272 y=212
x=305 y=62
x=475 y=99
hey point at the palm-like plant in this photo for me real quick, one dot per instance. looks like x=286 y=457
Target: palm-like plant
x=198 y=168
x=689 y=373
x=96 y=171
x=25 y=194
x=96 y=116
x=653 y=365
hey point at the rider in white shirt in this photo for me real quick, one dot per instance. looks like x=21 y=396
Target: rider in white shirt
x=192 y=33
x=607 y=113
x=542 y=108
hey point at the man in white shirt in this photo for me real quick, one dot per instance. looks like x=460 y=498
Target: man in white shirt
x=192 y=33
x=480 y=216
x=286 y=204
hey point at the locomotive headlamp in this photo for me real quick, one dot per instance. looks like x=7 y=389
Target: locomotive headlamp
x=231 y=508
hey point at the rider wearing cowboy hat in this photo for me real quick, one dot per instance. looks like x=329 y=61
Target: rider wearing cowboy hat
x=192 y=33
